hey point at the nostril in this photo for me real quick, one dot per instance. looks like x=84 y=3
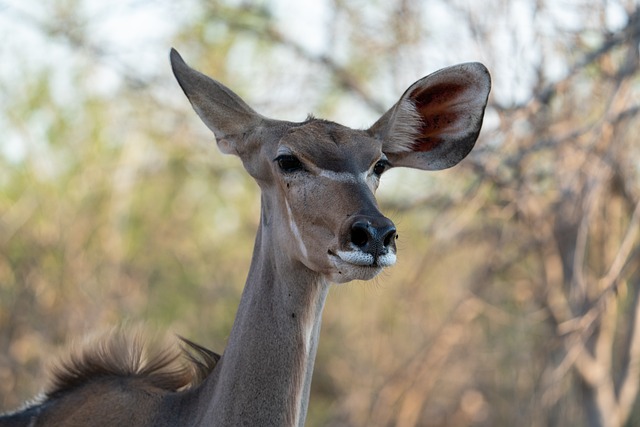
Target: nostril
x=359 y=234
x=389 y=237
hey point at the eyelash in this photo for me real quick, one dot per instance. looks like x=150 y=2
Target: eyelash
x=289 y=163
x=384 y=164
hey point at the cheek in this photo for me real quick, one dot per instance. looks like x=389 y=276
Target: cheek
x=311 y=218
x=321 y=208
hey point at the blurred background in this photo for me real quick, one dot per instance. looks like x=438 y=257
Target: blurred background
x=515 y=297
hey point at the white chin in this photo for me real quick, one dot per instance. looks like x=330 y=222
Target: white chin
x=353 y=268
x=347 y=272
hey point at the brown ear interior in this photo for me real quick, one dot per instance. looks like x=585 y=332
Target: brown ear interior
x=442 y=110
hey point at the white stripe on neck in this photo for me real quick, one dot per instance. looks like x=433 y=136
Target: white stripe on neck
x=296 y=231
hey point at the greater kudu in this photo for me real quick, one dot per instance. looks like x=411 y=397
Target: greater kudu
x=319 y=224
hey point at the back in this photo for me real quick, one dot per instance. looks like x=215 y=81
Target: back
x=104 y=402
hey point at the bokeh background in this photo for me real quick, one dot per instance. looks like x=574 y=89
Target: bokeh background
x=515 y=298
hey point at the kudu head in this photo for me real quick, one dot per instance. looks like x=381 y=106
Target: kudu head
x=318 y=178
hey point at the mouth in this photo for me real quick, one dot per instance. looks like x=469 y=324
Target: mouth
x=358 y=265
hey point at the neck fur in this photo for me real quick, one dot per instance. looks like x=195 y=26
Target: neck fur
x=264 y=375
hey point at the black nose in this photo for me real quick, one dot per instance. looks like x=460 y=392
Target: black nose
x=373 y=235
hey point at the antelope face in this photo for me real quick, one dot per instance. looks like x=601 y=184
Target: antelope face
x=318 y=178
x=325 y=176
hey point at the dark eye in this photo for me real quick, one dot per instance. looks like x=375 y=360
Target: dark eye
x=380 y=167
x=289 y=163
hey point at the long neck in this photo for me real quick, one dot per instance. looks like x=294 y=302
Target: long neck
x=264 y=376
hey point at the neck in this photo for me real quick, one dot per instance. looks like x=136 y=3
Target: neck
x=264 y=376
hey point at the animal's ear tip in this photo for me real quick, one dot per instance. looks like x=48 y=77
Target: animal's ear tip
x=479 y=66
x=472 y=66
x=175 y=58
x=481 y=72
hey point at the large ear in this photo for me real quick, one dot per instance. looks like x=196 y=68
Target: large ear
x=224 y=112
x=436 y=122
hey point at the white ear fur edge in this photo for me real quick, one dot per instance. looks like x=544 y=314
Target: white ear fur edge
x=437 y=120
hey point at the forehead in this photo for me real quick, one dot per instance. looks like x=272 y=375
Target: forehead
x=331 y=146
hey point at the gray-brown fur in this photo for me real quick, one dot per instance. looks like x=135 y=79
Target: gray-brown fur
x=320 y=224
x=119 y=368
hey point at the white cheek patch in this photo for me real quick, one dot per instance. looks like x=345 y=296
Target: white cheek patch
x=296 y=232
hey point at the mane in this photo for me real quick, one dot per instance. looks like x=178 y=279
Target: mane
x=168 y=367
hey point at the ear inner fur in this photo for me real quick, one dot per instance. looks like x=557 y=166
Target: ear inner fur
x=437 y=120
